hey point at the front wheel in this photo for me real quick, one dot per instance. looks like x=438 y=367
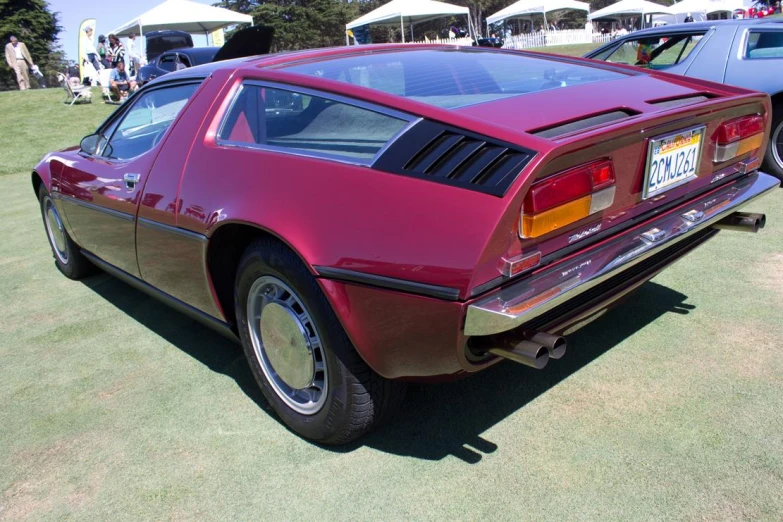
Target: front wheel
x=300 y=355
x=773 y=159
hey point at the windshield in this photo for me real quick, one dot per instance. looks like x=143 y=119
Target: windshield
x=653 y=52
x=454 y=78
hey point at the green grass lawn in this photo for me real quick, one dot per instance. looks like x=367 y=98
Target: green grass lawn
x=113 y=407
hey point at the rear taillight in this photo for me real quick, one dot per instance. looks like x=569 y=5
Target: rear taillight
x=737 y=137
x=567 y=197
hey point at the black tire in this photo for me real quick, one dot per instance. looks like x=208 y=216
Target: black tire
x=70 y=260
x=356 y=398
x=772 y=164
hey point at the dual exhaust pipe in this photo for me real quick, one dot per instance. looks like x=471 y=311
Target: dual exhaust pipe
x=532 y=349
x=535 y=349
x=742 y=222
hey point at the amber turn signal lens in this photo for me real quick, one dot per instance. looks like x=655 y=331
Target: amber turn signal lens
x=750 y=144
x=539 y=224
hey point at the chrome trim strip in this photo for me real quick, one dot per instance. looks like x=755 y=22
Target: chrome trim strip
x=97 y=208
x=148 y=223
x=391 y=283
x=528 y=299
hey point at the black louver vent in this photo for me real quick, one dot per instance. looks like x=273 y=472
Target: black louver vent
x=438 y=153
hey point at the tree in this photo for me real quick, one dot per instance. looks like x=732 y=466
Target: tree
x=37 y=26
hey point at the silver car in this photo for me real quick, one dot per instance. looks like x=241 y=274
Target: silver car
x=745 y=53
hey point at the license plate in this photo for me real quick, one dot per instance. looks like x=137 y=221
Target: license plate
x=672 y=160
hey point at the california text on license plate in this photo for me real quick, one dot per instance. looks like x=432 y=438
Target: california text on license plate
x=672 y=160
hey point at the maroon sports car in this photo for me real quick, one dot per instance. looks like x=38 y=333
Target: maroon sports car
x=363 y=217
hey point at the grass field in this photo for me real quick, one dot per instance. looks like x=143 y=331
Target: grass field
x=113 y=407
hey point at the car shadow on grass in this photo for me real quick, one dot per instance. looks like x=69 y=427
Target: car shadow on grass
x=437 y=420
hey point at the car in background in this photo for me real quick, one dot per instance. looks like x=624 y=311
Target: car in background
x=250 y=41
x=745 y=53
x=158 y=42
x=175 y=60
x=760 y=10
x=359 y=217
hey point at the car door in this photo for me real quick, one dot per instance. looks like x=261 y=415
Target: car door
x=101 y=188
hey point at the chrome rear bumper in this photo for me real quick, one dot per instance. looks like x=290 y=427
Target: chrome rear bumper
x=531 y=297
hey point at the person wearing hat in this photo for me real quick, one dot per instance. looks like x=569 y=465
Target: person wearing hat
x=688 y=18
x=102 y=52
x=19 y=60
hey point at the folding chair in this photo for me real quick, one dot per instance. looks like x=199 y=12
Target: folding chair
x=74 y=94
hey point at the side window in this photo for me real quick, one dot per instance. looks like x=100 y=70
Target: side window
x=766 y=44
x=168 y=62
x=654 y=53
x=144 y=124
x=312 y=124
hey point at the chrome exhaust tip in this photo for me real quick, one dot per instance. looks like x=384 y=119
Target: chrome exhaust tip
x=555 y=344
x=524 y=352
x=533 y=349
x=742 y=222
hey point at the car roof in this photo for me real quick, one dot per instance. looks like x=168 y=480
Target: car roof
x=701 y=26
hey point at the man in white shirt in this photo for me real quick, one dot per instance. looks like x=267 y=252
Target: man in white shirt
x=133 y=53
x=19 y=60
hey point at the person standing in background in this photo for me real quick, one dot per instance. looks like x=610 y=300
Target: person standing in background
x=102 y=52
x=116 y=51
x=19 y=60
x=133 y=55
x=90 y=54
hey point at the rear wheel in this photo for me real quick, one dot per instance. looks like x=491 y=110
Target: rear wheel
x=300 y=355
x=773 y=158
x=67 y=255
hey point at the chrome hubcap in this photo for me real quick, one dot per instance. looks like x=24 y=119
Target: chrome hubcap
x=55 y=231
x=777 y=144
x=287 y=345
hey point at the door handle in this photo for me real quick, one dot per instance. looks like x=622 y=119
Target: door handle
x=131 y=179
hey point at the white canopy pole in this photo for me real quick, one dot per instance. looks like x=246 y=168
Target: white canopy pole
x=402 y=29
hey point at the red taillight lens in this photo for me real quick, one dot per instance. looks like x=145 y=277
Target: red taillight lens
x=603 y=175
x=737 y=137
x=567 y=197
x=570 y=185
x=737 y=129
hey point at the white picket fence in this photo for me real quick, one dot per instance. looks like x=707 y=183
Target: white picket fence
x=549 y=38
x=527 y=41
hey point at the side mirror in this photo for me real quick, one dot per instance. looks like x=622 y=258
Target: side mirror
x=93 y=143
x=90 y=143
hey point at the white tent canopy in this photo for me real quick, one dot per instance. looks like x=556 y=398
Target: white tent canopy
x=183 y=15
x=410 y=11
x=529 y=7
x=705 y=6
x=629 y=8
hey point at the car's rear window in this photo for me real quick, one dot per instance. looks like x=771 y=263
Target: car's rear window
x=765 y=44
x=454 y=78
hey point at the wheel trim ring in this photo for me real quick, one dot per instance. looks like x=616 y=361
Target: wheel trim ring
x=56 y=235
x=268 y=290
x=776 y=142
